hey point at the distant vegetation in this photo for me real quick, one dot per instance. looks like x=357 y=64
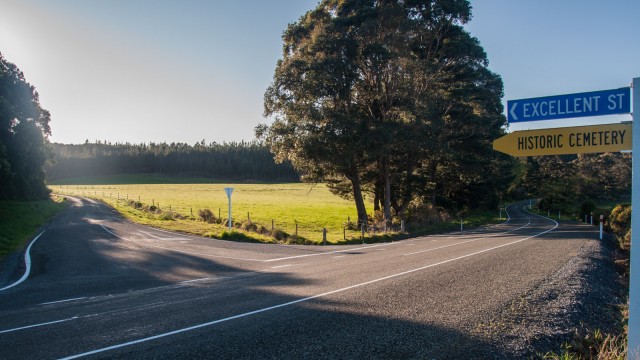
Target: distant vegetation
x=243 y=161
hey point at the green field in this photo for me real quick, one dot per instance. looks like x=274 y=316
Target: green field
x=312 y=207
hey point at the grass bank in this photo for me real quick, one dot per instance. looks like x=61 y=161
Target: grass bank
x=19 y=221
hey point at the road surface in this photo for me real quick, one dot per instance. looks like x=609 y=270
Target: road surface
x=102 y=287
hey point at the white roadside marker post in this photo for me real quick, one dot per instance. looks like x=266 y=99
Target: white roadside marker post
x=229 y=191
x=633 y=351
x=601 y=224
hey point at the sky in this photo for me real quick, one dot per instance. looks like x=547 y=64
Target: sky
x=185 y=71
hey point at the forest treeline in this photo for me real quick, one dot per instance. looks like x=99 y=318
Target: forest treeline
x=24 y=130
x=227 y=161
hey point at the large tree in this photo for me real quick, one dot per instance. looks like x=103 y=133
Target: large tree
x=390 y=96
x=24 y=129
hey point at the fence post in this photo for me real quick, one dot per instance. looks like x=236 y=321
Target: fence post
x=324 y=236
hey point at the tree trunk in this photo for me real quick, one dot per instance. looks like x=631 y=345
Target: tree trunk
x=357 y=195
x=387 y=189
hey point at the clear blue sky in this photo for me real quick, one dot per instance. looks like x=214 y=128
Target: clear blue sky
x=183 y=71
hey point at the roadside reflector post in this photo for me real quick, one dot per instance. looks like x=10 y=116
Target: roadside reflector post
x=591 y=219
x=229 y=191
x=585 y=219
x=273 y=225
x=324 y=236
x=601 y=223
x=402 y=226
x=460 y=224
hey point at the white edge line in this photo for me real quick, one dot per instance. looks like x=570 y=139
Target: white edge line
x=178 y=251
x=207 y=324
x=329 y=252
x=467 y=241
x=62 y=301
x=37 y=325
x=27 y=263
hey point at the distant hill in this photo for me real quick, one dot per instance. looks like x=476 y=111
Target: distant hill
x=243 y=161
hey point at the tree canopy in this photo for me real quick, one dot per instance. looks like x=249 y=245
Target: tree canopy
x=24 y=130
x=389 y=97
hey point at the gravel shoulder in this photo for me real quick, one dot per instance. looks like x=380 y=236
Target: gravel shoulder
x=581 y=295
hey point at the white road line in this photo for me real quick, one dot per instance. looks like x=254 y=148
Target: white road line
x=339 y=256
x=160 y=237
x=211 y=323
x=27 y=264
x=62 y=301
x=464 y=242
x=178 y=251
x=37 y=325
x=327 y=253
x=196 y=280
x=280 y=266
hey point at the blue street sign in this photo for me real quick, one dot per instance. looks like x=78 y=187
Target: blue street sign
x=595 y=103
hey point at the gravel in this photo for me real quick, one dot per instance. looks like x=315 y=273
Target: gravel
x=582 y=295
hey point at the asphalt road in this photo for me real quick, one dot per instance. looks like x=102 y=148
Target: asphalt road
x=102 y=287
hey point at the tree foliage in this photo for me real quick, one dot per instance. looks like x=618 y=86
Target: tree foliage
x=233 y=161
x=24 y=129
x=563 y=182
x=388 y=97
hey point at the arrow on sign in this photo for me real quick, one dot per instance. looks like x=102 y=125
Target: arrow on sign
x=514 y=117
x=568 y=140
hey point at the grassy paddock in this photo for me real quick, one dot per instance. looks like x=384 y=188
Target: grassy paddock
x=19 y=221
x=311 y=207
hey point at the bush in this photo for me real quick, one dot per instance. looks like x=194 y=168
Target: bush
x=206 y=215
x=280 y=235
x=249 y=226
x=166 y=215
x=620 y=223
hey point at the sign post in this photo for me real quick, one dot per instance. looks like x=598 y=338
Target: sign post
x=633 y=347
x=229 y=191
x=592 y=139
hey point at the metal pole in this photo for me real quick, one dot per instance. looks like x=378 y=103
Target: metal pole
x=634 y=270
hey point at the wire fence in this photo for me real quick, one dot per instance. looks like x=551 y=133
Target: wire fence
x=281 y=230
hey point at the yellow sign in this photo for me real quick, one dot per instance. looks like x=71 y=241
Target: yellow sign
x=569 y=140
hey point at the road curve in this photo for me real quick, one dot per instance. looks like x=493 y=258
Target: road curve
x=102 y=287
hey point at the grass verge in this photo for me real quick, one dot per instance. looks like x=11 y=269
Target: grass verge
x=19 y=221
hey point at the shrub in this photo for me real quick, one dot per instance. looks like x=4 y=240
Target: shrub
x=206 y=215
x=620 y=219
x=249 y=226
x=168 y=215
x=280 y=235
